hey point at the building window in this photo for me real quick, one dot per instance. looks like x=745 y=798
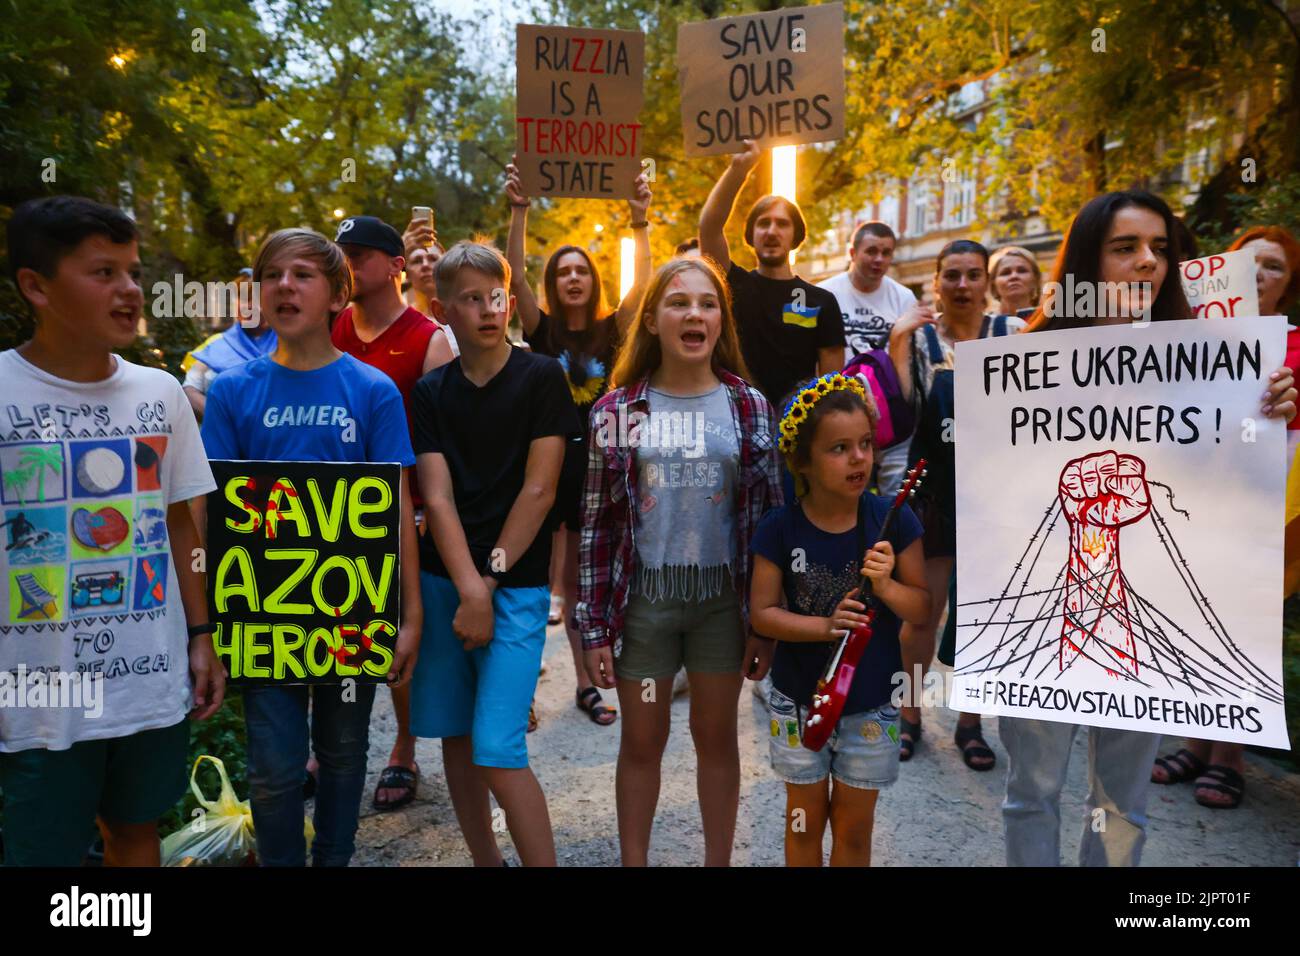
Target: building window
x=959 y=201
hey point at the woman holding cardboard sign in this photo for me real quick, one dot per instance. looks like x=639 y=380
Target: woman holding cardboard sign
x=1128 y=239
x=572 y=330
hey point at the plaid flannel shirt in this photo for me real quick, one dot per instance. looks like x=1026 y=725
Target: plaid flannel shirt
x=609 y=513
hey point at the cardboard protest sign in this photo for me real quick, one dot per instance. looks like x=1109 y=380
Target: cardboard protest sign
x=1222 y=286
x=304 y=575
x=777 y=78
x=1119 y=529
x=578 y=96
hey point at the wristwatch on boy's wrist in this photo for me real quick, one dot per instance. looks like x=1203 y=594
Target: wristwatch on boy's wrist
x=491 y=572
x=195 y=630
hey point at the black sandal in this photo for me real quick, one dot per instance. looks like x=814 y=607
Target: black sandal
x=907 y=729
x=1222 y=780
x=397 y=778
x=973 y=734
x=589 y=700
x=1182 y=766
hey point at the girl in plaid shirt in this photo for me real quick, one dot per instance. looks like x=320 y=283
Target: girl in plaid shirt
x=682 y=465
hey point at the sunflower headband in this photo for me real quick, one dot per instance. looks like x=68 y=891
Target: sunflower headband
x=806 y=399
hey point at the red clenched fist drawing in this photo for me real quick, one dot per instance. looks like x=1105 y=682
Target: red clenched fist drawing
x=1100 y=493
x=1108 y=490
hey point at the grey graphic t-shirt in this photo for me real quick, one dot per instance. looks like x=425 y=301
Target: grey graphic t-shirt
x=687 y=459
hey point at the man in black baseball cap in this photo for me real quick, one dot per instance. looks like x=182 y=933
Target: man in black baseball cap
x=370 y=232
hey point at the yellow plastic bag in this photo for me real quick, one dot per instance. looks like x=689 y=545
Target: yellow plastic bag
x=221 y=833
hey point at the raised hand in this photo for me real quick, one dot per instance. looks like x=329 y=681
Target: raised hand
x=514 y=185
x=640 y=203
x=417 y=236
x=911 y=320
x=748 y=157
x=1106 y=489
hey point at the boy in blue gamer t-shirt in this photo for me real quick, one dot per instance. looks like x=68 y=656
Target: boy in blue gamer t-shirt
x=307 y=401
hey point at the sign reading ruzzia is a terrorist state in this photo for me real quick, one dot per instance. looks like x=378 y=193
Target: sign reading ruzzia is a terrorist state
x=776 y=78
x=1119 y=529
x=303 y=570
x=578 y=96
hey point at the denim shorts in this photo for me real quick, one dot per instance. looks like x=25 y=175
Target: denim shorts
x=862 y=751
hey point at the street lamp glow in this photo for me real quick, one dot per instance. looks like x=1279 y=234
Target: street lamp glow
x=626 y=265
x=783 y=166
x=783 y=176
x=118 y=60
x=600 y=227
x=338 y=213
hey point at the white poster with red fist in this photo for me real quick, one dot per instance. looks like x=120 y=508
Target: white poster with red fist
x=1119 y=505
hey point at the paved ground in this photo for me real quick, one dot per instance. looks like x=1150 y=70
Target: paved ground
x=938 y=814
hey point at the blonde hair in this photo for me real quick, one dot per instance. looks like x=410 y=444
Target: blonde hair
x=309 y=244
x=478 y=254
x=641 y=352
x=1007 y=252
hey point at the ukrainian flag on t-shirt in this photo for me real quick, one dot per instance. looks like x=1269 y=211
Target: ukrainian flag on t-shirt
x=804 y=316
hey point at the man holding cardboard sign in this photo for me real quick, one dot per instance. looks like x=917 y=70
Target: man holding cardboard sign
x=579 y=93
x=776 y=78
x=790 y=330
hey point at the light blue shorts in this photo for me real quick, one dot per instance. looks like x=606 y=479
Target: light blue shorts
x=862 y=751
x=484 y=693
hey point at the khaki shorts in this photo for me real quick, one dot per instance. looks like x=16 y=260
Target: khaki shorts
x=660 y=636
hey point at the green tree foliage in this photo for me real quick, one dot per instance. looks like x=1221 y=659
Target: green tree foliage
x=1084 y=97
x=218 y=121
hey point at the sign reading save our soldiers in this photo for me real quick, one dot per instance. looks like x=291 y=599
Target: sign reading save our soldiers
x=777 y=78
x=303 y=578
x=578 y=97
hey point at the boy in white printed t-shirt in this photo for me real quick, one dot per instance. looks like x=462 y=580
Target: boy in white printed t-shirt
x=99 y=457
x=872 y=302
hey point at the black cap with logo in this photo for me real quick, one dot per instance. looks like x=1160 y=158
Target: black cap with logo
x=370 y=231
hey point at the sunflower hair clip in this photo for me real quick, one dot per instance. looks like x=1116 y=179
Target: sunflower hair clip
x=805 y=400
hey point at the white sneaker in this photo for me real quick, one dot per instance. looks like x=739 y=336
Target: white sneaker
x=762 y=689
x=557 y=610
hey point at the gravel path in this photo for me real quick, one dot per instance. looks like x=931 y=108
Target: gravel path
x=938 y=814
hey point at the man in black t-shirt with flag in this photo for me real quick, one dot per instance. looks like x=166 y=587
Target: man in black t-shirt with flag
x=790 y=330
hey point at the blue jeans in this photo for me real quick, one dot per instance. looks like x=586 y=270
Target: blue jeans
x=1119 y=778
x=276 y=718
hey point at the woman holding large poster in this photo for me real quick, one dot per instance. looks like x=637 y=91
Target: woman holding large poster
x=1120 y=246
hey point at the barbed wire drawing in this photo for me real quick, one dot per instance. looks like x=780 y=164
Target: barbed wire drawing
x=1091 y=612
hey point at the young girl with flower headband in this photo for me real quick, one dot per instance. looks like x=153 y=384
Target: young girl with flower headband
x=682 y=465
x=808 y=556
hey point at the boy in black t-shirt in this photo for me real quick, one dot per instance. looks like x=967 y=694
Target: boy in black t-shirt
x=790 y=330
x=490 y=430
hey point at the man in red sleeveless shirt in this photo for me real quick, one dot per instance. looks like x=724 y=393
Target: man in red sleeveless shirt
x=381 y=330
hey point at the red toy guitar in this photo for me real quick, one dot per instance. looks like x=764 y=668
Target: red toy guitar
x=833 y=686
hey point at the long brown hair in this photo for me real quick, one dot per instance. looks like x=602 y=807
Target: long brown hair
x=594 y=337
x=1080 y=257
x=641 y=353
